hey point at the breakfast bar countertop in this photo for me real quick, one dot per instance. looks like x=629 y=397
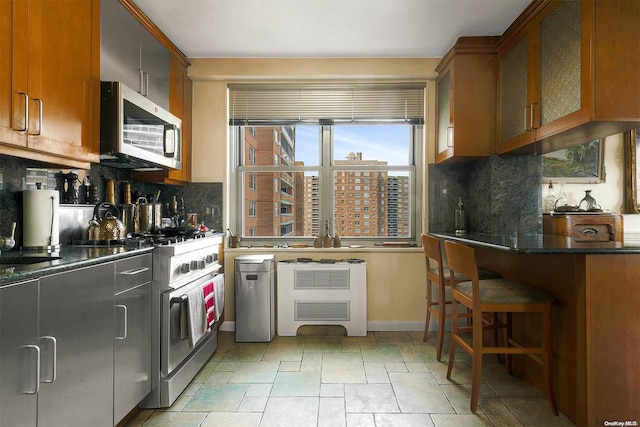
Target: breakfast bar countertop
x=541 y=243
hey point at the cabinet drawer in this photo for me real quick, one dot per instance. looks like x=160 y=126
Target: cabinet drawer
x=592 y=232
x=133 y=271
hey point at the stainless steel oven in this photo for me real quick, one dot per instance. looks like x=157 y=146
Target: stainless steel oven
x=178 y=268
x=174 y=348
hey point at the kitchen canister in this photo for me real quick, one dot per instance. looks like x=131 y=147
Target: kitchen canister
x=40 y=219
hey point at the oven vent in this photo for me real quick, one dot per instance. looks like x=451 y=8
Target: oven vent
x=337 y=278
x=321 y=310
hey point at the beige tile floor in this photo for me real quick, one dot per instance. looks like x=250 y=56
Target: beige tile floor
x=383 y=379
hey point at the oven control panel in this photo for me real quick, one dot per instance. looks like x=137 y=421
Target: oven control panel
x=186 y=261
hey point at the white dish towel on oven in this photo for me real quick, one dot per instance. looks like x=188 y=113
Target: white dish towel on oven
x=194 y=318
x=218 y=291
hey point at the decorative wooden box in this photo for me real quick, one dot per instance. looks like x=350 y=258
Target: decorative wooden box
x=585 y=227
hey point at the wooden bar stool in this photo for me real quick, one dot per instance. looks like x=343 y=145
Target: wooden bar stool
x=496 y=296
x=439 y=275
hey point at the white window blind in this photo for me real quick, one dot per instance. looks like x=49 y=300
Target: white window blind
x=259 y=104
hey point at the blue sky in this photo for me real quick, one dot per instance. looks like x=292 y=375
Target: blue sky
x=375 y=142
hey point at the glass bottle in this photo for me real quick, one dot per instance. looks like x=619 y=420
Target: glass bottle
x=563 y=200
x=460 y=218
x=550 y=200
x=327 y=236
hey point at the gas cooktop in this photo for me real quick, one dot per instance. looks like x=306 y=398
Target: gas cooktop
x=143 y=240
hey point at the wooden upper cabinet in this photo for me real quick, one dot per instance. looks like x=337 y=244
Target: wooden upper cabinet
x=466 y=100
x=515 y=97
x=180 y=104
x=52 y=97
x=6 y=102
x=567 y=75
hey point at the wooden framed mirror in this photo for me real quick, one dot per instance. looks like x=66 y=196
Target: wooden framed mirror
x=631 y=169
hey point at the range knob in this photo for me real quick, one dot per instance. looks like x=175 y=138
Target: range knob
x=201 y=264
x=184 y=268
x=209 y=259
x=194 y=265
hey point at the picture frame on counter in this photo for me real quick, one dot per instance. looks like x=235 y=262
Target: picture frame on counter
x=579 y=164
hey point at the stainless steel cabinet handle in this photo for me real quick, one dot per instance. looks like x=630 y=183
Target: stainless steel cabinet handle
x=37 y=386
x=134 y=271
x=54 y=358
x=531 y=121
x=141 y=85
x=124 y=321
x=39 y=101
x=26 y=112
x=450 y=136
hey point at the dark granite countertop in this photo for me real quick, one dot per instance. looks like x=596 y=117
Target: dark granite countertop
x=540 y=244
x=69 y=257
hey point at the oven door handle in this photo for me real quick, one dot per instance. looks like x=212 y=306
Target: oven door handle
x=179 y=300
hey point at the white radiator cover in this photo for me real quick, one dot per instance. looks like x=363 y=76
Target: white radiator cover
x=322 y=294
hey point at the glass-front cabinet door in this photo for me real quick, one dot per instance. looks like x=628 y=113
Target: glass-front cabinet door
x=445 y=142
x=517 y=105
x=560 y=68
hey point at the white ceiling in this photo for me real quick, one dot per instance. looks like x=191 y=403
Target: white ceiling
x=326 y=28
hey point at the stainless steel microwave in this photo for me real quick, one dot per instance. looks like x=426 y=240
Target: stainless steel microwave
x=136 y=133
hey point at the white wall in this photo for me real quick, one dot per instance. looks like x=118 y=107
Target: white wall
x=609 y=194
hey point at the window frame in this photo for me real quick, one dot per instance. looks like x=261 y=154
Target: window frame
x=326 y=170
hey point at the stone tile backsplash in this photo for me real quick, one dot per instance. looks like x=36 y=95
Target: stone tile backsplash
x=205 y=199
x=501 y=194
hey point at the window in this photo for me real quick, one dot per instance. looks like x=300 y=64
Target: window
x=322 y=160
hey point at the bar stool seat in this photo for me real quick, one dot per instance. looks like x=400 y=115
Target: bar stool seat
x=496 y=296
x=440 y=275
x=502 y=291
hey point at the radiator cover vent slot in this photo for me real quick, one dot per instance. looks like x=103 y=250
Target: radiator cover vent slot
x=317 y=310
x=335 y=278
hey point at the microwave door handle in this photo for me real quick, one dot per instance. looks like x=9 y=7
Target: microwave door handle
x=170 y=151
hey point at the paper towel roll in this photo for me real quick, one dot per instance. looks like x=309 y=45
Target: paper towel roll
x=40 y=218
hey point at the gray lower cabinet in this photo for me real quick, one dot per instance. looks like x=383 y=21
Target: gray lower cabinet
x=19 y=354
x=132 y=364
x=75 y=347
x=76 y=331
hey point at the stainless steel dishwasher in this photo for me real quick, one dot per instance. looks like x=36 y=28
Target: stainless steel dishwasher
x=255 y=298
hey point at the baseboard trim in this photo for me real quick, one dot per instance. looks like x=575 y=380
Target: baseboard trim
x=374 y=325
x=378 y=325
x=228 y=326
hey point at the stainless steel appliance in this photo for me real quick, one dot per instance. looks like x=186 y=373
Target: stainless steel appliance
x=255 y=298
x=136 y=133
x=178 y=267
